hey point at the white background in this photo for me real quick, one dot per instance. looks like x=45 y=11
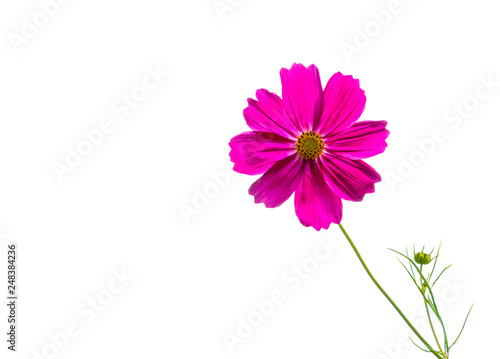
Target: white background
x=120 y=207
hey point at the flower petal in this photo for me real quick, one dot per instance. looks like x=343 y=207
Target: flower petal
x=268 y=115
x=349 y=179
x=361 y=140
x=255 y=152
x=302 y=96
x=316 y=204
x=275 y=186
x=344 y=103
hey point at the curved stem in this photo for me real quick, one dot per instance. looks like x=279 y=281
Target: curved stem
x=429 y=316
x=386 y=295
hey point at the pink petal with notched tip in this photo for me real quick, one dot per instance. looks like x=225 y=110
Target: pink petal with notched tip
x=302 y=96
x=349 y=179
x=316 y=204
x=361 y=140
x=255 y=152
x=343 y=104
x=275 y=186
x=268 y=115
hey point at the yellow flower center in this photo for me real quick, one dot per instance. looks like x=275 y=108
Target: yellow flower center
x=310 y=145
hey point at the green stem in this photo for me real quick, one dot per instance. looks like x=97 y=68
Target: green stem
x=429 y=316
x=386 y=295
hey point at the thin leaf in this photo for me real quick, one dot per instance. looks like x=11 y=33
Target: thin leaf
x=463 y=326
x=433 y=283
x=425 y=350
x=411 y=268
x=434 y=266
x=436 y=312
x=412 y=278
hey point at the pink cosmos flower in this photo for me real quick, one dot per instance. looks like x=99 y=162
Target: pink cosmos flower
x=309 y=143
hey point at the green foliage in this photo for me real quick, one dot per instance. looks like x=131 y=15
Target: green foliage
x=425 y=285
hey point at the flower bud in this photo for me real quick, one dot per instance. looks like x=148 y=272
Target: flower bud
x=422 y=258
